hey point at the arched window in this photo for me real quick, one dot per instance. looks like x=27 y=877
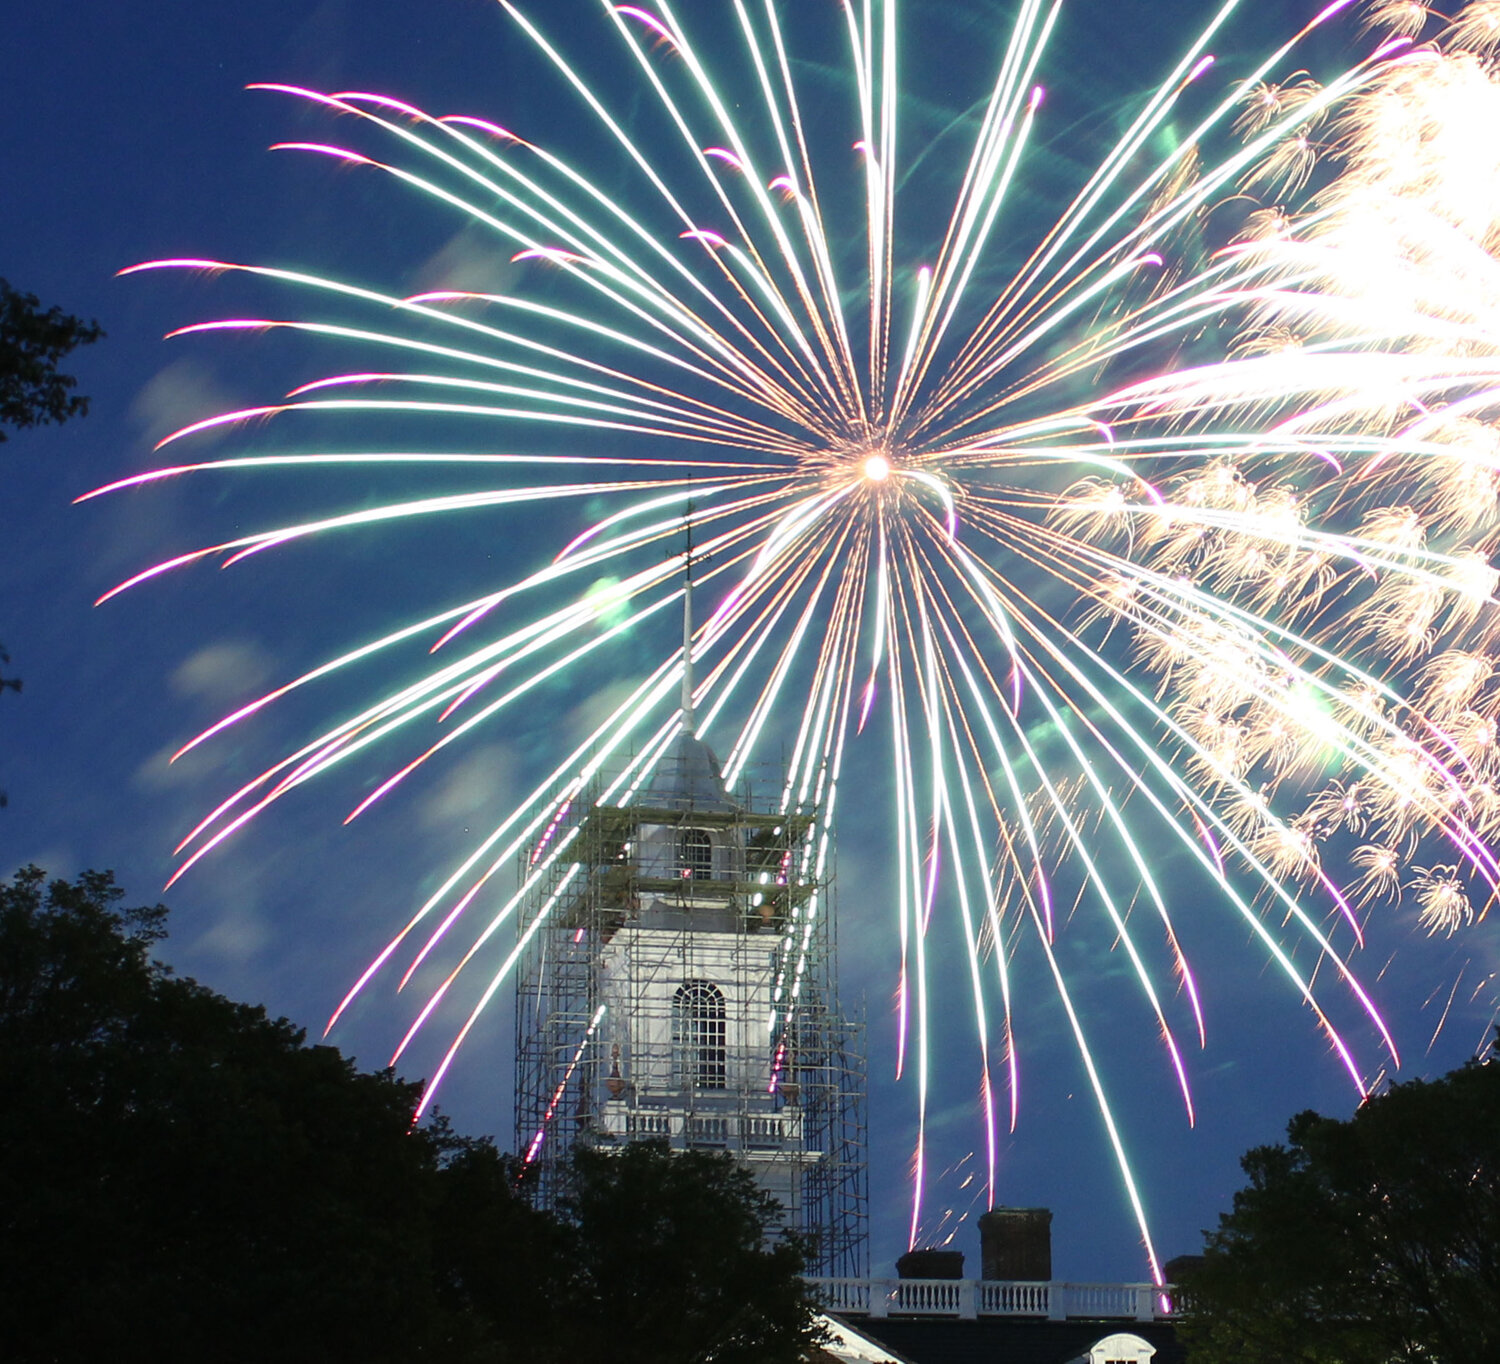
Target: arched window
x=695 y=854
x=699 y=1057
x=1124 y=1347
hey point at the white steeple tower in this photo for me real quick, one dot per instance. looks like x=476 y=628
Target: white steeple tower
x=681 y=990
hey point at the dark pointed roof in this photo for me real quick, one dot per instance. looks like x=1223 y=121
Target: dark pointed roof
x=689 y=778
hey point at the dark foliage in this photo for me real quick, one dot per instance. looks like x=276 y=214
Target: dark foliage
x=1374 y=1240
x=502 y=1266
x=33 y=340
x=675 y=1265
x=182 y=1177
x=7 y=684
x=179 y=1170
x=32 y=390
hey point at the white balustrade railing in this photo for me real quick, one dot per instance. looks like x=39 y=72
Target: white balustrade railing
x=844 y=1295
x=707 y=1131
x=1005 y=1298
x=968 y=1299
x=925 y=1297
x=648 y=1125
x=734 y=1131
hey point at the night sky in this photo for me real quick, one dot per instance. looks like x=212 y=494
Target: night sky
x=131 y=137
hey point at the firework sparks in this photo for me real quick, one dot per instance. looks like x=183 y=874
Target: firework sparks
x=952 y=494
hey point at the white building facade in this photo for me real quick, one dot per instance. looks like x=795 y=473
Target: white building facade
x=682 y=991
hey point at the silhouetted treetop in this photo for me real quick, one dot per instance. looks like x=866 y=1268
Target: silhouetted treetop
x=1376 y=1238
x=33 y=341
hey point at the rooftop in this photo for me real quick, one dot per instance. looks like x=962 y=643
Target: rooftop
x=996 y=1321
x=1000 y=1341
x=973 y=1299
x=689 y=778
x=1002 y=1321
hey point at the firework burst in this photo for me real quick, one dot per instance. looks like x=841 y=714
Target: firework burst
x=1102 y=607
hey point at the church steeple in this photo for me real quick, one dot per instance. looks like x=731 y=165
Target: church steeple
x=689 y=724
x=680 y=989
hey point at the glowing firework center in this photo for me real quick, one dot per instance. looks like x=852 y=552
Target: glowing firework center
x=683 y=991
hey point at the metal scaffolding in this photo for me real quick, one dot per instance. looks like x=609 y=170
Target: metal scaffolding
x=679 y=984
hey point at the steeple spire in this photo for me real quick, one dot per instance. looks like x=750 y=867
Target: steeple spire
x=689 y=724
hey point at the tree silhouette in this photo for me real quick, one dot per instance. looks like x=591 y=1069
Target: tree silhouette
x=679 y=1263
x=182 y=1177
x=180 y=1170
x=33 y=341
x=1374 y=1239
x=33 y=391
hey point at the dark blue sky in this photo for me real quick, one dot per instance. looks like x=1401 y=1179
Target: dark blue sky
x=131 y=137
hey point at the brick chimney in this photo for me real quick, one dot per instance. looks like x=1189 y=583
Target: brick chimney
x=931 y=1263
x=1016 y=1243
